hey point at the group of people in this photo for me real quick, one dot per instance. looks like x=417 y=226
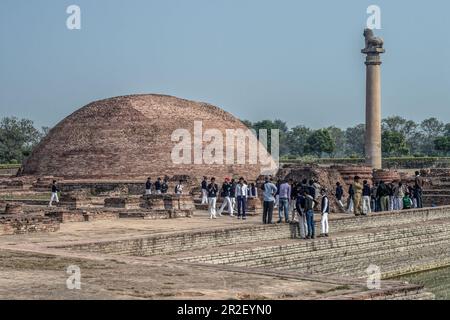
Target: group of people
x=234 y=194
x=161 y=186
x=298 y=200
x=364 y=198
x=295 y=201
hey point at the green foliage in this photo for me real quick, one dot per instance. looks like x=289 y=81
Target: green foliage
x=17 y=139
x=320 y=142
x=394 y=143
x=442 y=144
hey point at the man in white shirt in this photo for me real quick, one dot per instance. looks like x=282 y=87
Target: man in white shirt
x=241 y=196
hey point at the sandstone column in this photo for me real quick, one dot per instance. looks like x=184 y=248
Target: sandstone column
x=373 y=49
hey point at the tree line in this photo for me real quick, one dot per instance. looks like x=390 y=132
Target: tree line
x=400 y=137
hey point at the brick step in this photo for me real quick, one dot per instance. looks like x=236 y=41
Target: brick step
x=310 y=260
x=396 y=266
x=313 y=247
x=436 y=192
x=389 y=260
x=188 y=241
x=332 y=244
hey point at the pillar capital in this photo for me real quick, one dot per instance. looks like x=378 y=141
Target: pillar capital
x=373 y=55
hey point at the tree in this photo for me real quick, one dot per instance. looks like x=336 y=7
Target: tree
x=447 y=130
x=355 y=137
x=277 y=124
x=296 y=140
x=17 y=139
x=394 y=143
x=320 y=142
x=338 y=136
x=430 y=129
x=442 y=144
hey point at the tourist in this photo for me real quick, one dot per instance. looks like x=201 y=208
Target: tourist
x=301 y=212
x=283 y=206
x=294 y=194
x=164 y=186
x=312 y=189
x=339 y=194
x=375 y=201
x=277 y=196
x=325 y=210
x=158 y=186
x=309 y=209
x=148 y=186
x=366 y=198
x=204 y=188
x=410 y=190
x=407 y=202
x=350 y=199
x=252 y=191
x=241 y=197
x=317 y=189
x=226 y=192
x=54 y=196
x=212 y=190
x=399 y=194
x=383 y=195
x=357 y=189
x=418 y=188
x=391 y=189
x=233 y=195
x=179 y=188
x=269 y=200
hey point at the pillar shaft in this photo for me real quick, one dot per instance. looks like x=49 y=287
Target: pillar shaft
x=373 y=116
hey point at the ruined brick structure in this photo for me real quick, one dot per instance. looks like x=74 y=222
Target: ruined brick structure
x=129 y=137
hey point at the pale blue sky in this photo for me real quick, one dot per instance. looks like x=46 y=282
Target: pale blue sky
x=299 y=61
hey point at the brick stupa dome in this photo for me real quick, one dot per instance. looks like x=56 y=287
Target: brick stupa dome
x=129 y=137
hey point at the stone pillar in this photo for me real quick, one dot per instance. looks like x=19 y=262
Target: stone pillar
x=374 y=47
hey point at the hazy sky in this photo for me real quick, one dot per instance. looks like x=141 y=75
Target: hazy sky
x=298 y=61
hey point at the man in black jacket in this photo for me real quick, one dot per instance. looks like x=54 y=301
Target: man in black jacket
x=212 y=189
x=54 y=196
x=383 y=195
x=158 y=186
x=204 y=186
x=366 y=198
x=148 y=186
x=339 y=194
x=226 y=192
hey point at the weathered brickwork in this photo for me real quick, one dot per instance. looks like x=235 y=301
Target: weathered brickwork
x=23 y=223
x=130 y=137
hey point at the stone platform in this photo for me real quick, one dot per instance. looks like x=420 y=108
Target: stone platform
x=197 y=255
